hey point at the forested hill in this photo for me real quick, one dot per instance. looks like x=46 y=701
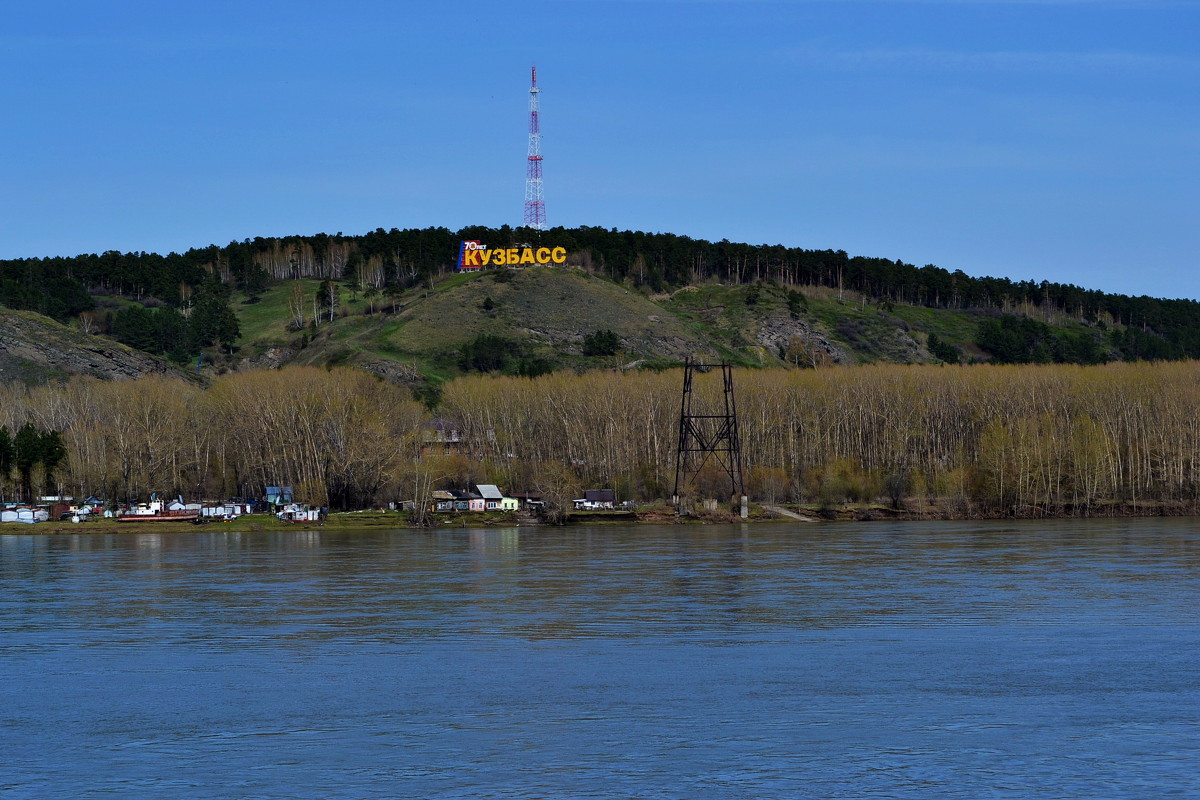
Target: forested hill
x=180 y=304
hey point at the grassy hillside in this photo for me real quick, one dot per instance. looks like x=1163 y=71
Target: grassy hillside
x=546 y=313
x=662 y=297
x=540 y=318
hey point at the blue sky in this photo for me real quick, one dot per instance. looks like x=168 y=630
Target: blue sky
x=1031 y=139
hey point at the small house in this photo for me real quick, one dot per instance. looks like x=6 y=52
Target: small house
x=463 y=500
x=295 y=512
x=460 y=500
x=441 y=437
x=491 y=495
x=596 y=500
x=225 y=511
x=443 y=500
x=527 y=501
x=494 y=499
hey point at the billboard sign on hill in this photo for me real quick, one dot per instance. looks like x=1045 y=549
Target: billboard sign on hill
x=474 y=255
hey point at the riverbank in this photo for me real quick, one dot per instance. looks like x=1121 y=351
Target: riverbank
x=656 y=515
x=957 y=511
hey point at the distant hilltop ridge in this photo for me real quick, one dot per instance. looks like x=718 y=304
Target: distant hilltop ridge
x=585 y=297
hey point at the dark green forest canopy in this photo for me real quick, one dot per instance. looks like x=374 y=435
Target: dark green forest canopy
x=63 y=287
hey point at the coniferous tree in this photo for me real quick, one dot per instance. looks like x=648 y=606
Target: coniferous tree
x=28 y=452
x=601 y=343
x=52 y=453
x=7 y=456
x=213 y=320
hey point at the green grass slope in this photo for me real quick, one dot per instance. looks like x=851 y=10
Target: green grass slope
x=545 y=313
x=550 y=309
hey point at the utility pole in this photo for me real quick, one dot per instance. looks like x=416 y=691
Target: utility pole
x=705 y=437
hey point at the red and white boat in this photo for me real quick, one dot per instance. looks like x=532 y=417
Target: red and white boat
x=156 y=511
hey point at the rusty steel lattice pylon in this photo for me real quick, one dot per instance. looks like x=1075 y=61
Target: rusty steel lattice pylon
x=705 y=437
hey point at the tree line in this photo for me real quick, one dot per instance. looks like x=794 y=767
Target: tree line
x=21 y=454
x=983 y=439
x=336 y=435
x=205 y=319
x=1014 y=339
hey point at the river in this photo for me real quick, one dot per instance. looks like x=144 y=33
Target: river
x=903 y=660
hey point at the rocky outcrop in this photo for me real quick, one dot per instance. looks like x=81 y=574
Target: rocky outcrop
x=776 y=333
x=395 y=372
x=272 y=358
x=36 y=349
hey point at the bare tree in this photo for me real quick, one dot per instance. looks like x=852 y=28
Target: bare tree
x=296 y=303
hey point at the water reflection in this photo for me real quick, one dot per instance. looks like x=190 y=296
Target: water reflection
x=611 y=581
x=898 y=660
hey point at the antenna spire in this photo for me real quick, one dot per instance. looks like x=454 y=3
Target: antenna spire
x=535 y=207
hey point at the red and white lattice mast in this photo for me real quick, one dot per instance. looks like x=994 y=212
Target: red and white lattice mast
x=535 y=206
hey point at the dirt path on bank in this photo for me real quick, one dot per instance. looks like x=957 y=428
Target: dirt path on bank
x=783 y=512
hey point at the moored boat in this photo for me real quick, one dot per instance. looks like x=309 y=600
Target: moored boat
x=161 y=516
x=155 y=511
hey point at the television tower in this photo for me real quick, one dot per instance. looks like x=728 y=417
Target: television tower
x=535 y=208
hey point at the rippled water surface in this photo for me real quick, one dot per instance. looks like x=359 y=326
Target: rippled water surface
x=960 y=660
